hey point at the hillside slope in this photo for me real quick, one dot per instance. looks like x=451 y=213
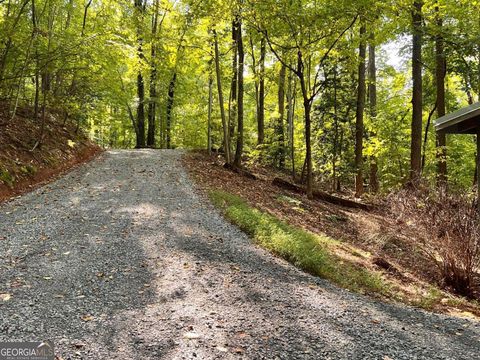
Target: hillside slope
x=62 y=148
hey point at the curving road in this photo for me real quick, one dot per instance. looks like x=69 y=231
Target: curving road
x=121 y=259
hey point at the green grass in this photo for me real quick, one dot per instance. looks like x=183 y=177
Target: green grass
x=310 y=252
x=6 y=178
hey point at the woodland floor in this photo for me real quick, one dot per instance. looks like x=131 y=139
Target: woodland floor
x=124 y=259
x=367 y=238
x=62 y=148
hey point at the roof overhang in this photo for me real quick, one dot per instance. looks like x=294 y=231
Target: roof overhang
x=463 y=121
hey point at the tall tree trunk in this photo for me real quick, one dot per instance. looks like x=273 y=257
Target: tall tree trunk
x=226 y=140
x=307 y=106
x=279 y=129
x=336 y=132
x=170 y=103
x=233 y=99
x=140 y=111
x=440 y=72
x=417 y=98
x=240 y=110
x=139 y=7
x=372 y=97
x=152 y=101
x=308 y=157
x=291 y=96
x=210 y=104
x=360 y=114
x=261 y=93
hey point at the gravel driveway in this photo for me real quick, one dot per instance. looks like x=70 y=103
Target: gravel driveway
x=121 y=259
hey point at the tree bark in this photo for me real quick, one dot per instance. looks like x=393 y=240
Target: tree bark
x=170 y=103
x=240 y=109
x=233 y=99
x=210 y=104
x=261 y=93
x=226 y=141
x=417 y=98
x=307 y=105
x=152 y=101
x=360 y=114
x=372 y=97
x=291 y=96
x=140 y=83
x=280 y=132
x=440 y=72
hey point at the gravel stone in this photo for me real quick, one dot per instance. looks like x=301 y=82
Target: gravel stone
x=122 y=259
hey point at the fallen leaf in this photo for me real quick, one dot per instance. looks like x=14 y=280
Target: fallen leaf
x=191 y=335
x=5 y=297
x=87 y=318
x=222 y=349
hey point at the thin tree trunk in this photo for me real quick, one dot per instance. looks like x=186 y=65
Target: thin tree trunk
x=85 y=12
x=240 y=110
x=170 y=103
x=360 y=114
x=139 y=6
x=233 y=98
x=291 y=95
x=261 y=93
x=307 y=108
x=226 y=141
x=417 y=98
x=140 y=111
x=335 y=138
x=210 y=103
x=372 y=96
x=280 y=134
x=440 y=72
x=152 y=101
x=307 y=105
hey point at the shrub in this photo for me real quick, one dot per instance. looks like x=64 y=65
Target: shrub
x=449 y=229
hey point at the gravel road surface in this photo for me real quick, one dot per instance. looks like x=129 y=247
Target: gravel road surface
x=122 y=259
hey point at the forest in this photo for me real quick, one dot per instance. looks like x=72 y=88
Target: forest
x=342 y=94
x=294 y=179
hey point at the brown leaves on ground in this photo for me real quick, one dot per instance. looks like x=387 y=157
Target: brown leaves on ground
x=62 y=148
x=373 y=238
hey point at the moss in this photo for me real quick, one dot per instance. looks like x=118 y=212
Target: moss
x=310 y=252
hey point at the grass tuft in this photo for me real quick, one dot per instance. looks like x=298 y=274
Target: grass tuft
x=6 y=178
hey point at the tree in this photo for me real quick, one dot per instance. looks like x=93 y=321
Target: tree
x=240 y=109
x=226 y=137
x=361 y=92
x=417 y=98
x=440 y=72
x=139 y=12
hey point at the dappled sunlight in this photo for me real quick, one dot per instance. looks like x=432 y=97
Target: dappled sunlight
x=156 y=270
